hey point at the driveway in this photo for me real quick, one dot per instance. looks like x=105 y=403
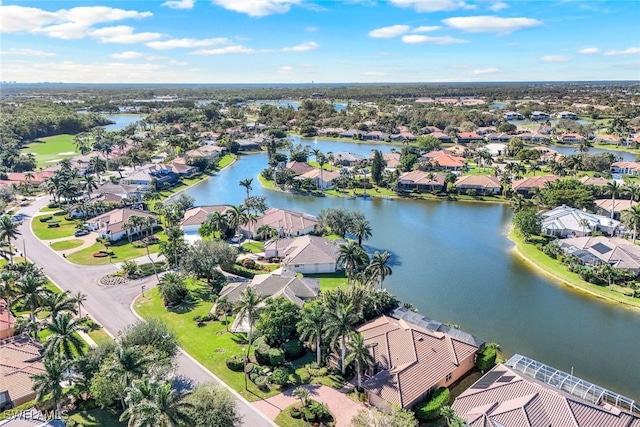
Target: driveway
x=341 y=406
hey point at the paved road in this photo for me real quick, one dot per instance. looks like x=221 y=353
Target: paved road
x=110 y=306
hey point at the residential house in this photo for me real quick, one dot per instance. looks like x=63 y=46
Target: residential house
x=392 y=159
x=534 y=137
x=122 y=191
x=499 y=137
x=403 y=136
x=570 y=138
x=305 y=254
x=481 y=184
x=539 y=115
x=443 y=160
x=607 y=207
x=565 y=221
x=180 y=167
x=193 y=218
x=596 y=181
x=20 y=358
x=567 y=115
x=525 y=393
x=322 y=180
x=298 y=168
x=596 y=250
x=469 y=137
x=7 y=321
x=512 y=115
x=287 y=223
x=30 y=177
x=146 y=175
x=248 y=145
x=527 y=186
x=413 y=357
x=457 y=150
x=547 y=154
x=375 y=135
x=421 y=181
x=210 y=152
x=333 y=132
x=351 y=133
x=442 y=137
x=607 y=139
x=346 y=158
x=112 y=224
x=625 y=168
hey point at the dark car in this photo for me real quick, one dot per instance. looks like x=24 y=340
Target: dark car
x=79 y=233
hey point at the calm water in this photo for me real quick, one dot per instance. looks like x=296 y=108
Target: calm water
x=455 y=264
x=122 y=121
x=568 y=150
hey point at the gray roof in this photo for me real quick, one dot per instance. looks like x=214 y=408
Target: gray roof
x=402 y=313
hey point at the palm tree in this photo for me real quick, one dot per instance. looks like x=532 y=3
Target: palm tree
x=246 y=183
x=310 y=326
x=631 y=218
x=50 y=381
x=223 y=307
x=79 y=298
x=30 y=290
x=339 y=323
x=155 y=403
x=217 y=223
x=8 y=232
x=55 y=303
x=359 y=353
x=302 y=394
x=235 y=217
x=378 y=269
x=89 y=184
x=247 y=307
x=361 y=228
x=64 y=340
x=351 y=256
x=266 y=232
x=612 y=188
x=97 y=165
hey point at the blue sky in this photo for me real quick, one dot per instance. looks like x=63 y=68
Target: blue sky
x=300 y=41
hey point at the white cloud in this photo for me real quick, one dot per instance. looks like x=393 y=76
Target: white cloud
x=225 y=50
x=629 y=51
x=589 y=50
x=122 y=34
x=491 y=24
x=304 y=47
x=176 y=62
x=187 y=43
x=555 y=58
x=426 y=29
x=179 y=4
x=389 y=32
x=430 y=5
x=497 y=7
x=483 y=71
x=26 y=52
x=127 y=55
x=417 y=38
x=285 y=69
x=257 y=7
x=374 y=73
x=71 y=23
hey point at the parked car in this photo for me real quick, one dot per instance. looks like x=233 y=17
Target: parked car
x=79 y=233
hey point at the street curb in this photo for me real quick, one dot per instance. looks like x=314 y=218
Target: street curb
x=214 y=376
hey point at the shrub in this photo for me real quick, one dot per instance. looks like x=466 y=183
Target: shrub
x=293 y=349
x=253 y=376
x=53 y=225
x=261 y=352
x=249 y=368
x=486 y=358
x=280 y=377
x=235 y=363
x=46 y=218
x=430 y=410
x=276 y=357
x=249 y=263
x=262 y=382
x=294 y=412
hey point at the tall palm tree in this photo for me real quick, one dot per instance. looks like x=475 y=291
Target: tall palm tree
x=79 y=298
x=30 y=290
x=310 y=326
x=155 y=403
x=378 y=269
x=50 y=381
x=55 y=303
x=8 y=232
x=64 y=339
x=266 y=232
x=321 y=162
x=89 y=184
x=338 y=325
x=235 y=217
x=614 y=189
x=223 y=307
x=97 y=165
x=246 y=183
x=631 y=218
x=361 y=228
x=352 y=257
x=217 y=223
x=360 y=353
x=247 y=307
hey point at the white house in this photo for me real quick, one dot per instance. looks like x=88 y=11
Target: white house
x=625 y=168
x=196 y=216
x=565 y=221
x=111 y=224
x=305 y=254
x=322 y=180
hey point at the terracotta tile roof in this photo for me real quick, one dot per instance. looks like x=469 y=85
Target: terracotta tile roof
x=299 y=167
x=290 y=222
x=626 y=165
x=7 y=321
x=199 y=214
x=113 y=221
x=19 y=359
x=619 y=206
x=478 y=181
x=413 y=359
x=597 y=181
x=306 y=250
x=534 y=182
x=419 y=177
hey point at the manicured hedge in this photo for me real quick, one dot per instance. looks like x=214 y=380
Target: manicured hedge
x=486 y=358
x=293 y=349
x=430 y=410
x=235 y=363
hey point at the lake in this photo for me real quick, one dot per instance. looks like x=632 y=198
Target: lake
x=455 y=264
x=122 y=121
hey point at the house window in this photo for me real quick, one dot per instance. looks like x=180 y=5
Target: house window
x=448 y=378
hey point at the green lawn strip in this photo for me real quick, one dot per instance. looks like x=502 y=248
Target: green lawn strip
x=326 y=166
x=50 y=210
x=559 y=271
x=100 y=336
x=43 y=232
x=330 y=280
x=97 y=417
x=120 y=253
x=210 y=344
x=284 y=419
x=50 y=148
x=66 y=244
x=268 y=184
x=254 y=247
x=226 y=160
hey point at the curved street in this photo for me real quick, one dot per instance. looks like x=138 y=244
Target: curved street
x=110 y=305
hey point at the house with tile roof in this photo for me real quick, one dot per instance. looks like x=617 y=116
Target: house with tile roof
x=612 y=208
x=193 y=218
x=19 y=360
x=111 y=224
x=481 y=184
x=345 y=158
x=392 y=159
x=525 y=393
x=597 y=250
x=565 y=221
x=288 y=223
x=298 y=168
x=211 y=152
x=512 y=115
x=305 y=254
x=527 y=186
x=7 y=321
x=411 y=360
x=322 y=180
x=596 y=181
x=570 y=138
x=444 y=160
x=421 y=181
x=625 y=168
x=567 y=115
x=468 y=137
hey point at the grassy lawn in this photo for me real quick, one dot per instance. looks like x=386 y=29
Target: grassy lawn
x=120 y=253
x=51 y=148
x=100 y=336
x=226 y=160
x=269 y=185
x=43 y=232
x=285 y=420
x=211 y=345
x=330 y=280
x=66 y=244
x=48 y=209
x=254 y=247
x=97 y=417
x=559 y=272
